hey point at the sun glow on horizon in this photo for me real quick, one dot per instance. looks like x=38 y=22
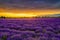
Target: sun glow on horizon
x=17 y=15
x=30 y=14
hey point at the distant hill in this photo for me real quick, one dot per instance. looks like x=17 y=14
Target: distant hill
x=54 y=15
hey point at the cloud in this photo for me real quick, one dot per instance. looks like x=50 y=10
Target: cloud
x=31 y=4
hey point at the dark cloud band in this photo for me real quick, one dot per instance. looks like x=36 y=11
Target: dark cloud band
x=31 y=4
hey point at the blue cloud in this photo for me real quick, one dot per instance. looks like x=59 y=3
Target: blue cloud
x=31 y=4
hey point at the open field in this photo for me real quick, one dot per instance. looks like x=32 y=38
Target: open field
x=30 y=29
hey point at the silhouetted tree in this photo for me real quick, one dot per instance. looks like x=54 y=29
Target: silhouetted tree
x=2 y=17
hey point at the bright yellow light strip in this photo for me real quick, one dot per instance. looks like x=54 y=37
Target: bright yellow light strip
x=29 y=13
x=17 y=15
x=8 y=14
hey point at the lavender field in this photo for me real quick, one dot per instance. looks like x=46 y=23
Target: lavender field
x=30 y=29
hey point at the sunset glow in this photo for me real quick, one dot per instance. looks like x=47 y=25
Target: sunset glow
x=30 y=14
x=17 y=15
x=27 y=13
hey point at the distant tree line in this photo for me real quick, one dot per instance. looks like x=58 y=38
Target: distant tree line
x=2 y=17
x=46 y=17
x=33 y=17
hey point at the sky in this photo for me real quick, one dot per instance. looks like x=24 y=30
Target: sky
x=31 y=7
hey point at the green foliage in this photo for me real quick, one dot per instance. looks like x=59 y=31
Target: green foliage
x=4 y=37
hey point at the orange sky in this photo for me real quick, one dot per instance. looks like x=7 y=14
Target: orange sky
x=26 y=13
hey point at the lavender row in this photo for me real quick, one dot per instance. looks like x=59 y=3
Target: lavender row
x=41 y=29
